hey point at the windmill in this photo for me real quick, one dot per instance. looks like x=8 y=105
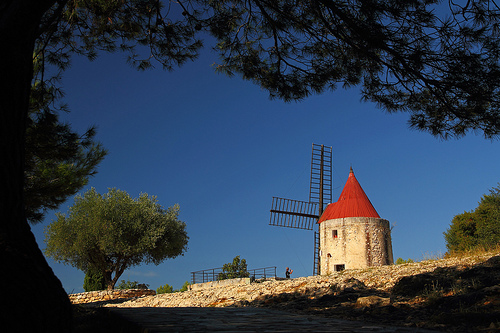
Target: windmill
x=297 y=214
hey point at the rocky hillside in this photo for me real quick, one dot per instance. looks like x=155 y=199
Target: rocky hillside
x=455 y=295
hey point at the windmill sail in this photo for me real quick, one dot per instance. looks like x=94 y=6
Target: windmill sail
x=320 y=189
x=294 y=213
x=304 y=215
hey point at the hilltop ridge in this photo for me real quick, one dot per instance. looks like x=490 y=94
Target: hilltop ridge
x=460 y=294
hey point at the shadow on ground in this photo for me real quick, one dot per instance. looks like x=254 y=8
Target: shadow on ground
x=447 y=299
x=450 y=299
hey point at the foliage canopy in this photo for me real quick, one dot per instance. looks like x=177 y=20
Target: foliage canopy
x=113 y=232
x=58 y=161
x=235 y=269
x=148 y=30
x=131 y=285
x=401 y=261
x=477 y=228
x=439 y=61
x=94 y=280
x=166 y=289
x=185 y=286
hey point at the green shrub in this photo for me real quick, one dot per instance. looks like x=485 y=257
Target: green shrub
x=166 y=289
x=236 y=269
x=94 y=280
x=185 y=286
x=477 y=229
x=132 y=285
x=400 y=261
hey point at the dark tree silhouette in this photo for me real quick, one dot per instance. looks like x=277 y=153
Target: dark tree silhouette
x=50 y=31
x=439 y=61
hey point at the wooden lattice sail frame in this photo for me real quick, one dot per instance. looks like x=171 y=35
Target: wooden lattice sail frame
x=291 y=213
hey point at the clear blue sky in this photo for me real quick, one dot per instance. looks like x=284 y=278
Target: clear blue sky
x=221 y=149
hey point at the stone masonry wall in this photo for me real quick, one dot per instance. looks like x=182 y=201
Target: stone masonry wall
x=107 y=295
x=221 y=283
x=354 y=242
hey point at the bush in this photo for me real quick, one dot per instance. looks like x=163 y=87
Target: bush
x=236 y=269
x=185 y=286
x=132 y=285
x=94 y=280
x=462 y=234
x=166 y=289
x=479 y=228
x=400 y=261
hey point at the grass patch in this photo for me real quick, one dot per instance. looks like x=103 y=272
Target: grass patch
x=477 y=251
x=432 y=256
x=433 y=292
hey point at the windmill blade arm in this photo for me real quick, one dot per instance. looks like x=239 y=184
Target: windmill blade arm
x=293 y=213
x=312 y=216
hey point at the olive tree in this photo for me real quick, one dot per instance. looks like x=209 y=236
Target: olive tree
x=112 y=232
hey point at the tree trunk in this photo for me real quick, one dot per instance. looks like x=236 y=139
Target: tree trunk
x=35 y=300
x=110 y=285
x=119 y=268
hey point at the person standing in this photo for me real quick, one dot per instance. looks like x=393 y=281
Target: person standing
x=288 y=272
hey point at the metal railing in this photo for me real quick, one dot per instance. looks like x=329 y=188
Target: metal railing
x=263 y=273
x=208 y=275
x=205 y=275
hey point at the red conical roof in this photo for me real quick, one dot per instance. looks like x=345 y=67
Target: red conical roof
x=353 y=202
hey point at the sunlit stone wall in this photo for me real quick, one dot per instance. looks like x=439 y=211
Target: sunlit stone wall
x=106 y=295
x=354 y=242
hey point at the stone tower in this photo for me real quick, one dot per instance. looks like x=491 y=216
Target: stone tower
x=352 y=234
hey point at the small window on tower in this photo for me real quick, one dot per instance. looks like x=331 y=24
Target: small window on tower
x=339 y=268
x=335 y=234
